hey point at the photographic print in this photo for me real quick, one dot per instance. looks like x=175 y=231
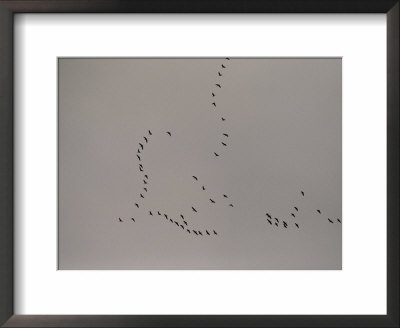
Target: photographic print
x=200 y=163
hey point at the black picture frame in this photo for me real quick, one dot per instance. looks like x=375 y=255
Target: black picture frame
x=10 y=7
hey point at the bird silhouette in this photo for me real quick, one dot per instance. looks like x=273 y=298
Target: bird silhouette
x=185 y=222
x=133 y=219
x=194 y=177
x=231 y=205
x=296 y=225
x=215 y=233
x=269 y=221
x=276 y=220
x=188 y=230
x=150 y=213
x=158 y=212
x=222 y=66
x=120 y=220
x=276 y=224
x=330 y=220
x=141 y=145
x=146 y=176
x=214 y=104
x=169 y=133
x=203 y=188
x=137 y=205
x=171 y=220
x=293 y=215
x=145 y=189
x=176 y=223
x=194 y=210
x=166 y=216
x=219 y=74
x=141 y=196
x=200 y=233
x=182 y=226
x=141 y=165
x=145 y=139
x=223 y=143
x=222 y=118
x=296 y=208
x=194 y=231
x=319 y=211
x=212 y=201
x=213 y=94
x=338 y=220
x=207 y=232
x=140 y=169
x=138 y=157
x=227 y=58
x=218 y=85
x=150 y=133
x=182 y=217
x=225 y=196
x=268 y=215
x=138 y=151
x=302 y=193
x=144 y=181
x=284 y=224
x=225 y=134
x=216 y=155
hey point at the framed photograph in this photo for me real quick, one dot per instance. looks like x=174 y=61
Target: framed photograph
x=191 y=164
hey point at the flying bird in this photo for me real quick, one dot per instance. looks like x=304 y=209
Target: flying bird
x=319 y=211
x=141 y=196
x=188 y=230
x=225 y=134
x=231 y=205
x=268 y=215
x=182 y=217
x=284 y=224
x=150 y=213
x=222 y=66
x=144 y=181
x=227 y=58
x=194 y=177
x=276 y=224
x=169 y=133
x=302 y=193
x=293 y=215
x=203 y=188
x=158 y=212
x=215 y=232
x=137 y=205
x=223 y=143
x=138 y=157
x=296 y=208
x=207 y=232
x=171 y=221
x=200 y=233
x=166 y=216
x=146 y=176
x=182 y=226
x=194 y=231
x=219 y=74
x=145 y=139
x=276 y=220
x=212 y=201
x=338 y=220
x=216 y=155
x=214 y=104
x=120 y=220
x=145 y=189
x=140 y=169
x=176 y=223
x=296 y=225
x=141 y=145
x=222 y=118
x=219 y=86
x=330 y=220
x=150 y=133
x=184 y=222
x=133 y=219
x=270 y=222
x=213 y=94
x=138 y=151
x=194 y=210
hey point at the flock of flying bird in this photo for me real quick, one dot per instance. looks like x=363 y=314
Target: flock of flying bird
x=294 y=215
x=180 y=221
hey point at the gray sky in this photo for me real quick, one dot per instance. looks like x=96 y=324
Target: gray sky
x=283 y=120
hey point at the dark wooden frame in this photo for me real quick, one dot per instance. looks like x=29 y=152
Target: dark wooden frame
x=7 y=10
